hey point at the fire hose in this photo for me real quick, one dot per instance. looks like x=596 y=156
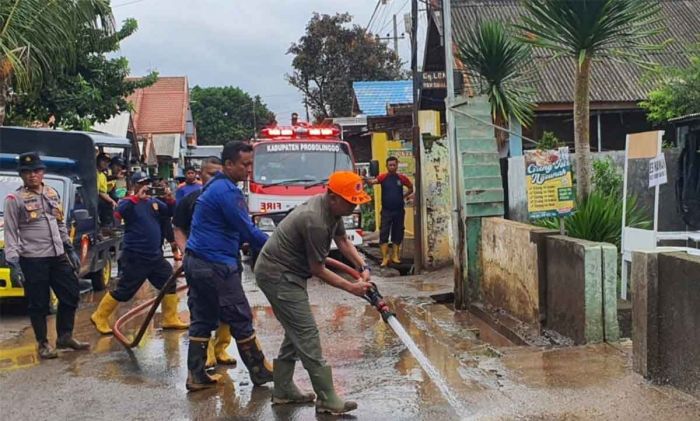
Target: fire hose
x=372 y=296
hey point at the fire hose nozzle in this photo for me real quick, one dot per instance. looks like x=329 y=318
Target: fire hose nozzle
x=377 y=301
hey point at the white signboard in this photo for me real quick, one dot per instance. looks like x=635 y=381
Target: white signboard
x=657 y=171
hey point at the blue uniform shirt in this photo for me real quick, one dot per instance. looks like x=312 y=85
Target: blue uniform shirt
x=186 y=189
x=142 y=225
x=221 y=223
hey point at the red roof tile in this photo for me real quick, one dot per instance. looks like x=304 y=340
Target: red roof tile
x=161 y=107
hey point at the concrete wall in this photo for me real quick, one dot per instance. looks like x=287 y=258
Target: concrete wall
x=512 y=277
x=581 y=285
x=666 y=318
x=437 y=205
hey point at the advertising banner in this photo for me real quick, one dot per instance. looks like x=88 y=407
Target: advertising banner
x=550 y=191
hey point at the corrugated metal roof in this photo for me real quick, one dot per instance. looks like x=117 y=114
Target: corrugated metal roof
x=373 y=97
x=552 y=78
x=118 y=125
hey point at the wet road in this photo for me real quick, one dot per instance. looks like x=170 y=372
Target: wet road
x=494 y=379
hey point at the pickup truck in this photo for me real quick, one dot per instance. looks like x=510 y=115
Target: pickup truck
x=71 y=170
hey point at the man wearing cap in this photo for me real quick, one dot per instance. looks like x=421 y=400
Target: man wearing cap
x=295 y=252
x=142 y=256
x=40 y=255
x=220 y=225
x=105 y=204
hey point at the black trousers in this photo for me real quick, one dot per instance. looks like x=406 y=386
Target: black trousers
x=42 y=274
x=105 y=213
x=216 y=294
x=392 y=225
x=136 y=269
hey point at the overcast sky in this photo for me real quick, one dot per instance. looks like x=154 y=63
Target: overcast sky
x=238 y=43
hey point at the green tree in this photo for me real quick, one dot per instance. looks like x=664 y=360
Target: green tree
x=41 y=37
x=490 y=54
x=586 y=31
x=330 y=56
x=227 y=113
x=94 y=91
x=677 y=91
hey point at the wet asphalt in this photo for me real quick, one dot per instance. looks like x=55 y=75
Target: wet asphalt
x=493 y=378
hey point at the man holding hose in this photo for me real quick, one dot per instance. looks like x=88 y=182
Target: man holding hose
x=295 y=252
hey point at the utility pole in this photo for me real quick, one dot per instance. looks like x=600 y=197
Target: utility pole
x=255 y=118
x=418 y=196
x=396 y=38
x=458 y=229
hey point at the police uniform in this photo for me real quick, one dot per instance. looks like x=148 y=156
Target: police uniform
x=36 y=247
x=220 y=224
x=142 y=258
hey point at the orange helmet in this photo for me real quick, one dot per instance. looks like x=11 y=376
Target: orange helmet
x=349 y=186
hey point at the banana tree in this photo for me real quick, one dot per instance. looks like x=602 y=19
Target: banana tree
x=587 y=30
x=39 y=38
x=492 y=56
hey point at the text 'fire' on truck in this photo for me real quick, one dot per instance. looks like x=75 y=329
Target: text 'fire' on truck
x=292 y=164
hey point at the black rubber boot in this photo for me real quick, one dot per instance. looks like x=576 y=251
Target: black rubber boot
x=197 y=377
x=258 y=366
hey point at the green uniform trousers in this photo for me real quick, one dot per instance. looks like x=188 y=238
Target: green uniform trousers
x=289 y=299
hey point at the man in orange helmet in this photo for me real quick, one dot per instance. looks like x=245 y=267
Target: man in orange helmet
x=297 y=251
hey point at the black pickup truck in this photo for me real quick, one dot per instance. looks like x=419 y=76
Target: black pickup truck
x=71 y=170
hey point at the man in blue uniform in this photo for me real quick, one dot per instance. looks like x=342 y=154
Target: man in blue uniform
x=220 y=225
x=190 y=185
x=142 y=256
x=393 y=212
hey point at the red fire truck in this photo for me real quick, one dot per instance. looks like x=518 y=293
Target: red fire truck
x=291 y=164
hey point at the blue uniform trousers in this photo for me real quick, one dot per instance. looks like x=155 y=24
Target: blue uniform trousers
x=216 y=294
x=136 y=269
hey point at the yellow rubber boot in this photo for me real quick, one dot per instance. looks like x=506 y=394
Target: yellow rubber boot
x=170 y=317
x=385 y=254
x=211 y=355
x=396 y=253
x=101 y=316
x=221 y=342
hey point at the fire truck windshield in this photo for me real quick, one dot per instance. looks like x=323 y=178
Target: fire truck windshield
x=298 y=162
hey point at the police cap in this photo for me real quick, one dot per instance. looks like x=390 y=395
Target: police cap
x=30 y=161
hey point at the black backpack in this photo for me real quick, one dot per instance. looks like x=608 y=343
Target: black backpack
x=688 y=184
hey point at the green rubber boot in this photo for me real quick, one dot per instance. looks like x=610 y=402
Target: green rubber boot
x=328 y=401
x=285 y=391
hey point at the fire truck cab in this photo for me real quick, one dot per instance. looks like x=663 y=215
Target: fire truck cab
x=292 y=164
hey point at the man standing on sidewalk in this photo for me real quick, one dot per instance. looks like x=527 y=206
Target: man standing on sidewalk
x=393 y=211
x=142 y=256
x=296 y=251
x=40 y=255
x=190 y=185
x=220 y=225
x=182 y=220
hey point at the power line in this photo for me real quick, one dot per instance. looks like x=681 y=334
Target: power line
x=127 y=3
x=373 y=14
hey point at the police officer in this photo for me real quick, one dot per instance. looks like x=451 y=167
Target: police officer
x=142 y=256
x=213 y=269
x=182 y=221
x=41 y=256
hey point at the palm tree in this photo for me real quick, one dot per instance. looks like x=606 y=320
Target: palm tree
x=39 y=38
x=587 y=30
x=491 y=55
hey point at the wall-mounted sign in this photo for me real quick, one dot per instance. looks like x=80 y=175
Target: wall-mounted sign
x=657 y=171
x=434 y=80
x=550 y=191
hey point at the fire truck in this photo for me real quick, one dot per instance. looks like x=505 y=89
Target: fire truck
x=291 y=164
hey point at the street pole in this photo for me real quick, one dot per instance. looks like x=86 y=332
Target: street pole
x=458 y=230
x=396 y=38
x=255 y=122
x=417 y=198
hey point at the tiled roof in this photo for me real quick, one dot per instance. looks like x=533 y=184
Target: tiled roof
x=161 y=107
x=373 y=97
x=552 y=78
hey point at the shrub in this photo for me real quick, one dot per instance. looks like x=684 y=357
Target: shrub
x=549 y=141
x=599 y=218
x=607 y=180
